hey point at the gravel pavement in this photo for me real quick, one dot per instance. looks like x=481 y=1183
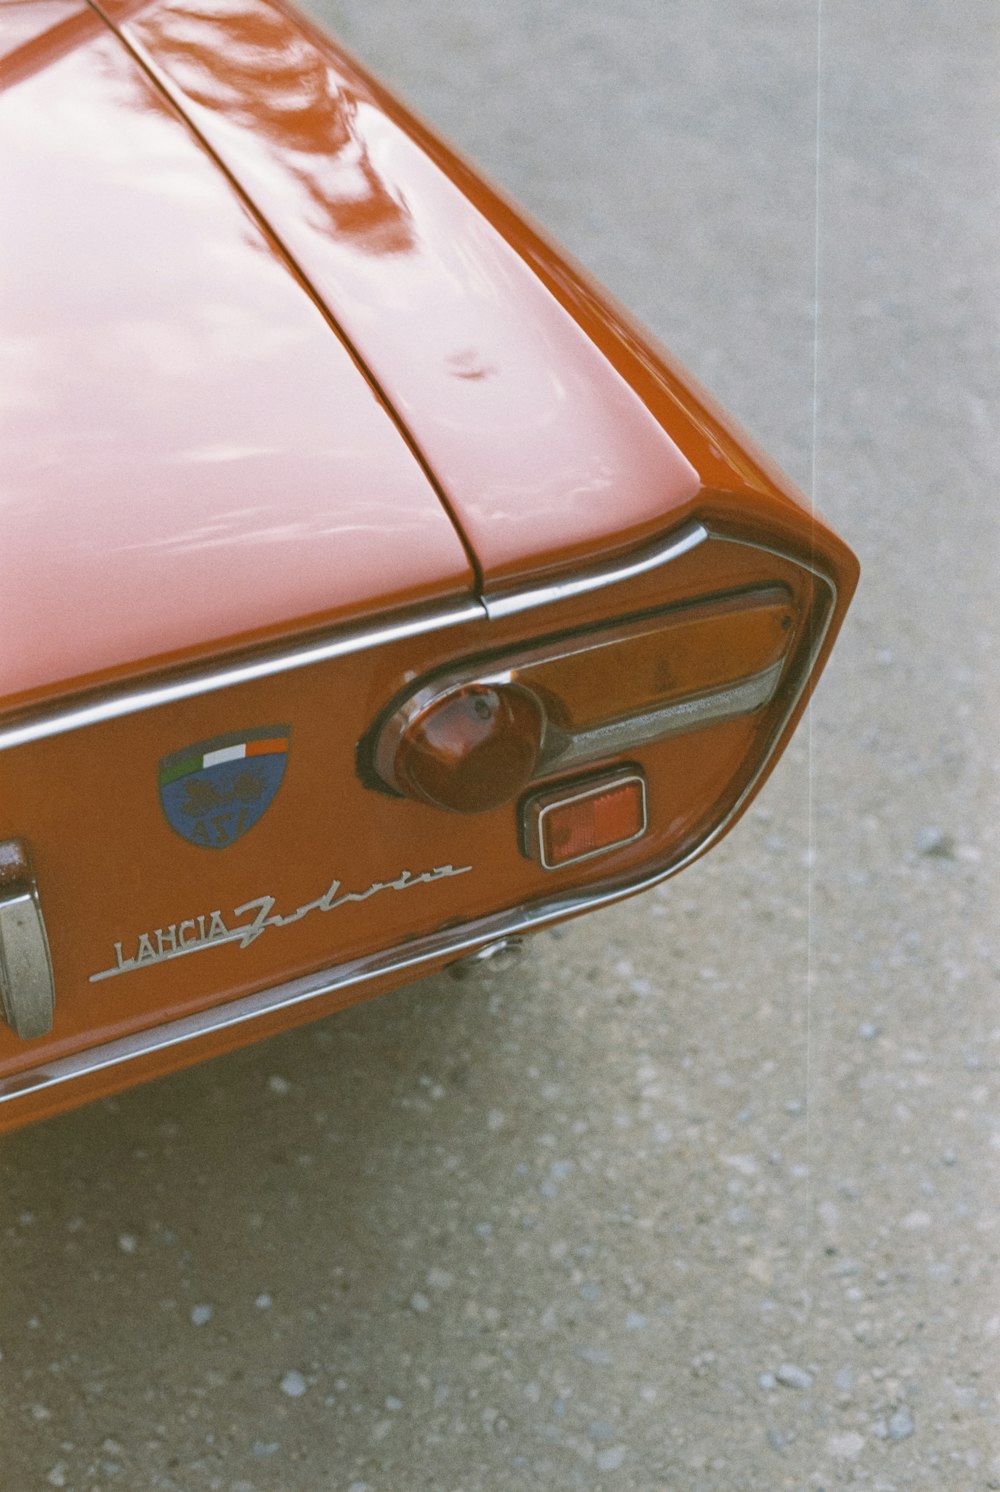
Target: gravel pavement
x=704 y=1196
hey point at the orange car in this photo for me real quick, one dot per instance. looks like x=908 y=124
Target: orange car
x=374 y=591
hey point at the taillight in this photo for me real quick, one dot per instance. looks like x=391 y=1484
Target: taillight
x=607 y=693
x=476 y=739
x=471 y=748
x=577 y=821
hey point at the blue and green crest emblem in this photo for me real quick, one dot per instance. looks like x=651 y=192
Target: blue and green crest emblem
x=215 y=791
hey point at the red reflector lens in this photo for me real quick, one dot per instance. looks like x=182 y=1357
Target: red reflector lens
x=579 y=821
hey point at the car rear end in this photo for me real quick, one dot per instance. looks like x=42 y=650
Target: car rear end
x=524 y=633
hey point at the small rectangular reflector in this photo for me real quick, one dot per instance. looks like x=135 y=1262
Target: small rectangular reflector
x=571 y=823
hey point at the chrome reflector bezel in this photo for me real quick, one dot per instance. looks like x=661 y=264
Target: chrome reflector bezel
x=538 y=806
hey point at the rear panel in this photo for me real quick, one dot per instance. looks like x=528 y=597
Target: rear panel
x=312 y=884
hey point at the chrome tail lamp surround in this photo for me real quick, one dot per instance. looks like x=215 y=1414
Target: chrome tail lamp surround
x=597 y=694
x=26 y=989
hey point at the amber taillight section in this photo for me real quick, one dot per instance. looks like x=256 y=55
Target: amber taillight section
x=638 y=668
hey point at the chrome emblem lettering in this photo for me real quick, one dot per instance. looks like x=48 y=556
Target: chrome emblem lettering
x=208 y=929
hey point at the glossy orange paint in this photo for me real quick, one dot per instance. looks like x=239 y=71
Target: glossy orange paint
x=451 y=413
x=192 y=459
x=542 y=453
x=31 y=34
x=453 y=299
x=110 y=868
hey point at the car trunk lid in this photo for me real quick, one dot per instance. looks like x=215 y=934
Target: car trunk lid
x=193 y=462
x=545 y=455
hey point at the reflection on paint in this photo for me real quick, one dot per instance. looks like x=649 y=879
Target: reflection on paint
x=252 y=67
x=191 y=456
x=538 y=445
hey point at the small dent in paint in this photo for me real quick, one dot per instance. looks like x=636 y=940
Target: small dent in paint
x=468 y=365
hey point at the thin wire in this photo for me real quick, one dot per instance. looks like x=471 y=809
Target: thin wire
x=809 y=728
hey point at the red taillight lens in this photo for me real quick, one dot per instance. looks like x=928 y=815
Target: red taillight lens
x=471 y=749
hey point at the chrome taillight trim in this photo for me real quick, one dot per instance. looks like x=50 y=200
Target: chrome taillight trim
x=566 y=749
x=433 y=951
x=689 y=713
x=513 y=670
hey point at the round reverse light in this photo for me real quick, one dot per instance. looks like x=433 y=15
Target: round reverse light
x=474 y=748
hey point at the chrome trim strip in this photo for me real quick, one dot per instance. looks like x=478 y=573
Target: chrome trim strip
x=261 y=666
x=435 y=949
x=649 y=558
x=129 y=701
x=689 y=713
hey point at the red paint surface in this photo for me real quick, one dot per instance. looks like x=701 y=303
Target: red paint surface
x=541 y=448
x=191 y=458
x=194 y=461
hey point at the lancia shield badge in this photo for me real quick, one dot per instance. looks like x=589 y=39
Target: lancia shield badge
x=214 y=791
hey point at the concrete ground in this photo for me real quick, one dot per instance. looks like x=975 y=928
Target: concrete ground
x=705 y=1196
